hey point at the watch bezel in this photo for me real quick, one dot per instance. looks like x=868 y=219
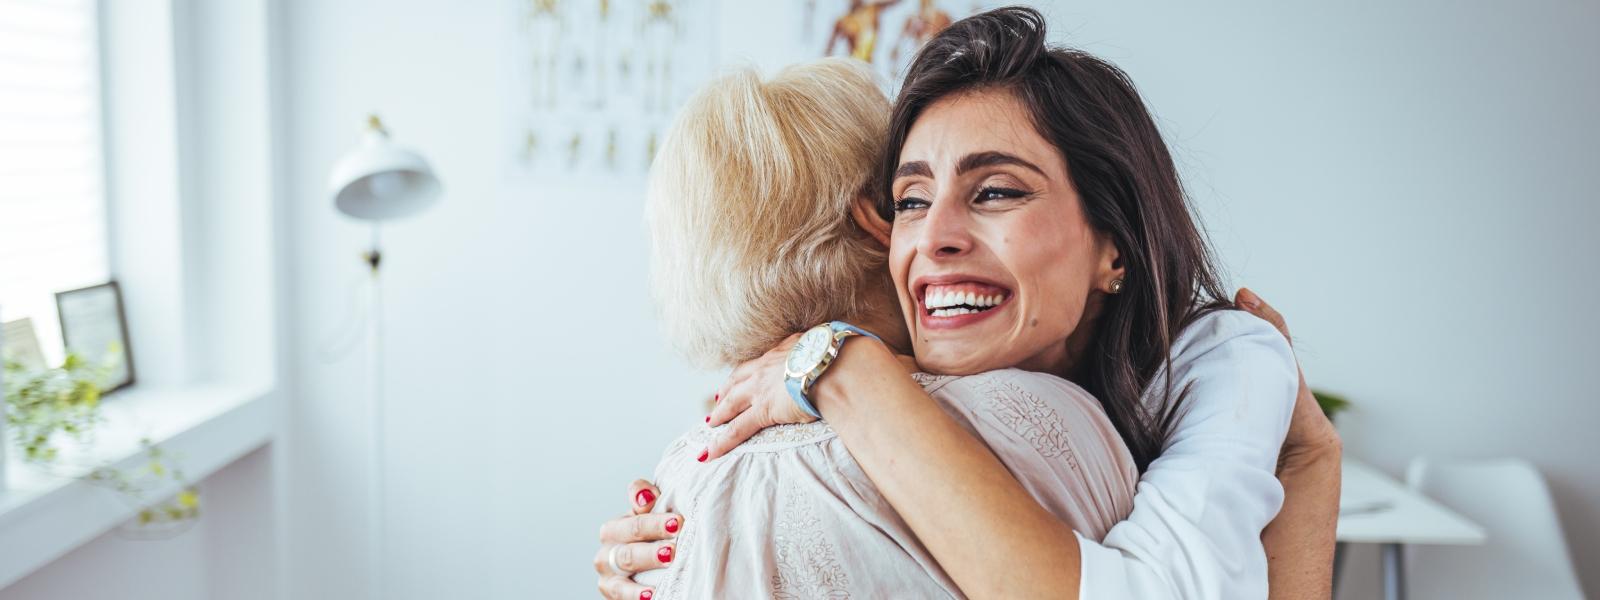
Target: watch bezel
x=828 y=353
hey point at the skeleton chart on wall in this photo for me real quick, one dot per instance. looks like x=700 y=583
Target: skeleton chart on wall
x=885 y=33
x=605 y=76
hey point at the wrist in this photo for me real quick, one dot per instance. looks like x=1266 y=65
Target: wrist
x=859 y=358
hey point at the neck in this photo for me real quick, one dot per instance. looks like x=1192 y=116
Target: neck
x=884 y=319
x=1068 y=364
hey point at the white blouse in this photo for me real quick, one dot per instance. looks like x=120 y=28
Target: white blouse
x=1195 y=530
x=789 y=513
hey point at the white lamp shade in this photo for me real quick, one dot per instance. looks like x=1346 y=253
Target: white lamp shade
x=379 y=181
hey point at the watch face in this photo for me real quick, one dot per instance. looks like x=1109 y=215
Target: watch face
x=806 y=353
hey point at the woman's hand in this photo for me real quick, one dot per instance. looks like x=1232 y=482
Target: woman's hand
x=639 y=537
x=753 y=398
x=1300 y=540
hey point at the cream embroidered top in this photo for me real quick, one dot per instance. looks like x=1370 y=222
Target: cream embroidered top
x=789 y=514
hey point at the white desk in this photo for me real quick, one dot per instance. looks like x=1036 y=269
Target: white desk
x=1375 y=509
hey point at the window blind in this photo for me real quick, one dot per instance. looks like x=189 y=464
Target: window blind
x=52 y=196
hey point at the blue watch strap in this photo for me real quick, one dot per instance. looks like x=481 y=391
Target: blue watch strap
x=799 y=395
x=839 y=326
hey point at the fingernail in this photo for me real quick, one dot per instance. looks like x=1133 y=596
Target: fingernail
x=717 y=398
x=703 y=455
x=664 y=554
x=646 y=595
x=672 y=525
x=708 y=419
x=644 y=497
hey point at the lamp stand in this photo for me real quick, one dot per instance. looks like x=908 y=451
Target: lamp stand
x=375 y=455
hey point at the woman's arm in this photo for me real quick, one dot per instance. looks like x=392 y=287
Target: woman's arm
x=1198 y=514
x=1300 y=540
x=989 y=535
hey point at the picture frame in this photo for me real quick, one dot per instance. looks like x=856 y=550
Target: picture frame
x=94 y=324
x=19 y=343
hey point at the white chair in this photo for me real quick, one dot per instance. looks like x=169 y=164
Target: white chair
x=1526 y=555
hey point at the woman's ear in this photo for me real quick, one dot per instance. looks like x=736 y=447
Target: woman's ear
x=866 y=216
x=1112 y=270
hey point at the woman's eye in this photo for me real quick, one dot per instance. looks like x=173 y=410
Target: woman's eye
x=909 y=203
x=999 y=193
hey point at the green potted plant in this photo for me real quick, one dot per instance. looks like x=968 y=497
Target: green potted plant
x=1331 y=403
x=41 y=403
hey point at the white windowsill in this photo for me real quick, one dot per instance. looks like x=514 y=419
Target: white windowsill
x=203 y=428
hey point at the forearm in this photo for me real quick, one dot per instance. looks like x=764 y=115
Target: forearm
x=982 y=527
x=1300 y=540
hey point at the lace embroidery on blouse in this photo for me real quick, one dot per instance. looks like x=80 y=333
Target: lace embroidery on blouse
x=776 y=437
x=1028 y=416
x=807 y=564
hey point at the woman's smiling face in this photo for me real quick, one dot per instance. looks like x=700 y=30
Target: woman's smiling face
x=995 y=263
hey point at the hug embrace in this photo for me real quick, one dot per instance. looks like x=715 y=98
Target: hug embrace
x=979 y=347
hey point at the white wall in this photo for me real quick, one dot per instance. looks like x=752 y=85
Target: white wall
x=517 y=322
x=1411 y=184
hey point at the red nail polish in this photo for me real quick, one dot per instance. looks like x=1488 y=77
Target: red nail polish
x=672 y=525
x=664 y=554
x=703 y=455
x=646 y=595
x=717 y=398
x=708 y=419
x=644 y=497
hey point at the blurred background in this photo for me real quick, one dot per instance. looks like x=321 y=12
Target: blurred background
x=1412 y=184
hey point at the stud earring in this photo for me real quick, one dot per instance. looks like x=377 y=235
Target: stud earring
x=1116 y=286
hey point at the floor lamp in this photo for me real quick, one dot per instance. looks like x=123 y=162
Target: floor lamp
x=377 y=182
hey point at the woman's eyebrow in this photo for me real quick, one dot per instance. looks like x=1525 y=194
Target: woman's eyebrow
x=916 y=167
x=988 y=159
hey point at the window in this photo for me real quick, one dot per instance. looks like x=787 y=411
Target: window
x=52 y=197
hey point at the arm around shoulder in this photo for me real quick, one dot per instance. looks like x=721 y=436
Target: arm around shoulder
x=1195 y=530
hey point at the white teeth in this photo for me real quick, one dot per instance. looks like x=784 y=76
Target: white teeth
x=943 y=299
x=938 y=301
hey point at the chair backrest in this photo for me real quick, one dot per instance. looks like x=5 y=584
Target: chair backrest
x=1525 y=555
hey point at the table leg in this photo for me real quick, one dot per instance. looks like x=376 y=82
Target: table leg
x=1394 y=575
x=1338 y=565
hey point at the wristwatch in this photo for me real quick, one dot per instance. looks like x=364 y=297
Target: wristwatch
x=811 y=356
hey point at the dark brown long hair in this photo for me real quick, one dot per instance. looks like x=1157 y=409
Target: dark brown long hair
x=1090 y=111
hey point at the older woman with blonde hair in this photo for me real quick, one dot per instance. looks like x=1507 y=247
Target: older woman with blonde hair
x=750 y=210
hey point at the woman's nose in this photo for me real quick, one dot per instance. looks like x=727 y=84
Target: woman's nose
x=947 y=232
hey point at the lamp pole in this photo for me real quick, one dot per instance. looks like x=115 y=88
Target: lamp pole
x=376 y=182
x=376 y=474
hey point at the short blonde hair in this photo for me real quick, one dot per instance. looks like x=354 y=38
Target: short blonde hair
x=749 y=209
